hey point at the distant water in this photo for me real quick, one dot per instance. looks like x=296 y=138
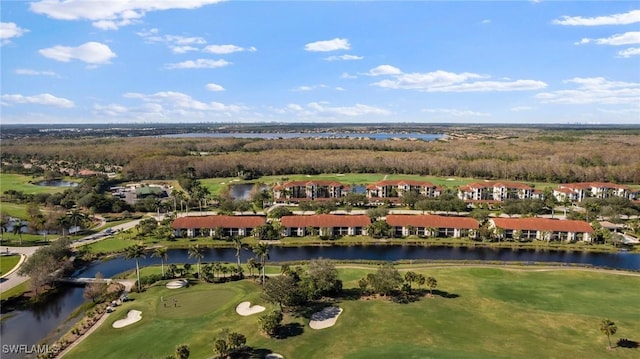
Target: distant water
x=57 y=183
x=288 y=135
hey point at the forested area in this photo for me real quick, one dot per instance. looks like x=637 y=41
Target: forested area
x=550 y=156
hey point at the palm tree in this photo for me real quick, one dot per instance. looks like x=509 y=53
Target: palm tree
x=76 y=218
x=262 y=250
x=62 y=222
x=432 y=283
x=17 y=228
x=4 y=223
x=608 y=328
x=161 y=252
x=197 y=251
x=237 y=244
x=136 y=252
x=251 y=265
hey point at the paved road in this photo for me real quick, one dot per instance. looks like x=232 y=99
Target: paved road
x=13 y=279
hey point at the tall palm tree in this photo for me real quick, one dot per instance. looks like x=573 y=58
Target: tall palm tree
x=4 y=222
x=197 y=251
x=63 y=222
x=238 y=245
x=136 y=252
x=251 y=265
x=608 y=328
x=262 y=250
x=77 y=218
x=17 y=228
x=161 y=252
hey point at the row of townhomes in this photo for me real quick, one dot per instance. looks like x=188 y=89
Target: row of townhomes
x=497 y=191
x=486 y=191
x=313 y=190
x=577 y=192
x=402 y=226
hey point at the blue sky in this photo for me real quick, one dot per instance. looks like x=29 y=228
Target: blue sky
x=95 y=61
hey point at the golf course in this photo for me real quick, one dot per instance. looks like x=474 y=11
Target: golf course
x=475 y=312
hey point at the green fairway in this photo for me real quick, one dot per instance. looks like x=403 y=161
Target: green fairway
x=16 y=210
x=22 y=183
x=7 y=263
x=475 y=313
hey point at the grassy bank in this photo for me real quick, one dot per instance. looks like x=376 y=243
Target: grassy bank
x=26 y=184
x=476 y=313
x=7 y=263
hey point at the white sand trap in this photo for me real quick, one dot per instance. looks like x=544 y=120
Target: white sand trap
x=245 y=309
x=175 y=284
x=325 y=318
x=132 y=317
x=274 y=356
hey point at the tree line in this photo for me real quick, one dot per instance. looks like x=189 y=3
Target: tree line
x=594 y=156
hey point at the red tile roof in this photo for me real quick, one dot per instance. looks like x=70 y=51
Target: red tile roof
x=217 y=221
x=435 y=221
x=403 y=182
x=325 y=220
x=543 y=224
x=589 y=185
x=311 y=183
x=496 y=184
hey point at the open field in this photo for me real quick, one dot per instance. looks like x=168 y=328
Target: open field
x=7 y=263
x=475 y=313
x=16 y=210
x=18 y=182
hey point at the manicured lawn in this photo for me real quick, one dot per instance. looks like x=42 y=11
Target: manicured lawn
x=110 y=245
x=16 y=210
x=489 y=313
x=7 y=263
x=17 y=182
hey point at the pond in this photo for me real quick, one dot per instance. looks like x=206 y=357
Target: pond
x=57 y=183
x=244 y=190
x=31 y=326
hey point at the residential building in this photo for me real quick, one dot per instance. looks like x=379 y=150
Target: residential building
x=428 y=225
x=396 y=188
x=579 y=191
x=325 y=225
x=309 y=190
x=495 y=191
x=207 y=226
x=542 y=229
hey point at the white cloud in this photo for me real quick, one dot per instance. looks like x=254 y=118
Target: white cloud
x=340 y=88
x=344 y=58
x=309 y=88
x=630 y=17
x=226 y=49
x=322 y=109
x=486 y=21
x=521 y=108
x=35 y=72
x=444 y=81
x=328 y=45
x=9 y=30
x=44 y=99
x=177 y=43
x=632 y=51
x=199 y=64
x=594 y=90
x=628 y=38
x=110 y=15
x=94 y=53
x=384 y=70
x=456 y=112
x=214 y=87
x=346 y=75
x=179 y=102
x=111 y=110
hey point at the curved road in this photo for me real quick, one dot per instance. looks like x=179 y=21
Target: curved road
x=12 y=278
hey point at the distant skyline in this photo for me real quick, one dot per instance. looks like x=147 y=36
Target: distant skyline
x=182 y=61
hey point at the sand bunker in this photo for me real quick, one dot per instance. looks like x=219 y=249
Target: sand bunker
x=132 y=317
x=274 y=356
x=325 y=318
x=246 y=309
x=175 y=284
